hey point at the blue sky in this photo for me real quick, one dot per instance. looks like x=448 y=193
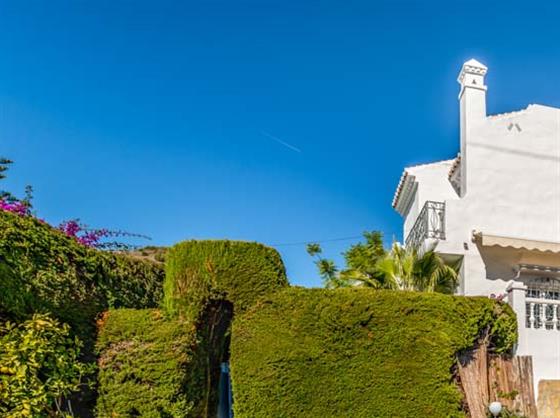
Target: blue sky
x=276 y=121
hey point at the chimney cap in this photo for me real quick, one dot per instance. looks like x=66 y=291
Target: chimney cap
x=476 y=64
x=472 y=66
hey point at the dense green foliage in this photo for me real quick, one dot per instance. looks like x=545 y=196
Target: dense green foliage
x=358 y=352
x=43 y=270
x=295 y=352
x=406 y=268
x=151 y=366
x=200 y=271
x=361 y=263
x=206 y=282
x=15 y=300
x=143 y=361
x=369 y=264
x=39 y=366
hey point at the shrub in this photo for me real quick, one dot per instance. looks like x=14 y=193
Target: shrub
x=55 y=273
x=200 y=271
x=15 y=300
x=143 y=360
x=39 y=367
x=358 y=352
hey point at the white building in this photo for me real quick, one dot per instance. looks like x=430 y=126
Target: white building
x=496 y=207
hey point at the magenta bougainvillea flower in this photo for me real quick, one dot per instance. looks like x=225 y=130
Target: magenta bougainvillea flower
x=84 y=235
x=17 y=207
x=89 y=237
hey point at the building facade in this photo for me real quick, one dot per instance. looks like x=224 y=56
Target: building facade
x=495 y=208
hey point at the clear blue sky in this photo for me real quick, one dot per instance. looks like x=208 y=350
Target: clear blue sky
x=166 y=118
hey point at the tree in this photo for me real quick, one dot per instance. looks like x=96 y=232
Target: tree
x=4 y=166
x=368 y=264
x=327 y=269
x=409 y=269
x=361 y=260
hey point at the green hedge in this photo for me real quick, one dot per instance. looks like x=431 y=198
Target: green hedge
x=358 y=352
x=41 y=269
x=207 y=282
x=143 y=361
x=200 y=271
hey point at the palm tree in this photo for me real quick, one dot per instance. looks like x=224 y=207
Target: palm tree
x=368 y=264
x=361 y=264
x=409 y=269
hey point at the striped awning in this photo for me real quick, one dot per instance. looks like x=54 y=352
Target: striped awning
x=488 y=240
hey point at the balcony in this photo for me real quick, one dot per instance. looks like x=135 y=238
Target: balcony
x=430 y=224
x=542 y=303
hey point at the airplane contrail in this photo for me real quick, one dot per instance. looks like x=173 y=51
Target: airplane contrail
x=290 y=146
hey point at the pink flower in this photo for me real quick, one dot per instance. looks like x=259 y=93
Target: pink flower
x=16 y=207
x=88 y=237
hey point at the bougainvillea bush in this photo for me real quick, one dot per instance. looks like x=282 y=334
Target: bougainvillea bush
x=101 y=238
x=17 y=207
x=48 y=271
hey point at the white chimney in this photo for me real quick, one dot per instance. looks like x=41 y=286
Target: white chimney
x=473 y=89
x=472 y=99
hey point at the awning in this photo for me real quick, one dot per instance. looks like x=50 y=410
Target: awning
x=518 y=243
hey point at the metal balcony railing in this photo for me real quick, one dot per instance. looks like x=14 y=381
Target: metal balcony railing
x=429 y=224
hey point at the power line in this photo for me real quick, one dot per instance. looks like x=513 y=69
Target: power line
x=286 y=244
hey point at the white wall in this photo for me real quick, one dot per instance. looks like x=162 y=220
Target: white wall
x=513 y=178
x=432 y=185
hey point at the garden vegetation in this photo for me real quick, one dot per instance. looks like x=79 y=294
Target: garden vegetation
x=358 y=352
x=149 y=340
x=206 y=283
x=45 y=271
x=143 y=363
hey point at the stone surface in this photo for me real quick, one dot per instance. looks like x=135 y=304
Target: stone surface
x=549 y=399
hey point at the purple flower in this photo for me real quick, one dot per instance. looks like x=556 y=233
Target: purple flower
x=85 y=236
x=16 y=207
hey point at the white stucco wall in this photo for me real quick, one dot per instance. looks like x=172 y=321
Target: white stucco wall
x=513 y=189
x=513 y=177
x=432 y=185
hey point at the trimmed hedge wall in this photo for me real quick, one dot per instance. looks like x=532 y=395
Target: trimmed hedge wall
x=237 y=271
x=42 y=269
x=143 y=361
x=206 y=282
x=149 y=366
x=358 y=352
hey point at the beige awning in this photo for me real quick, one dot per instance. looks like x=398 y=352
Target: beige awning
x=518 y=243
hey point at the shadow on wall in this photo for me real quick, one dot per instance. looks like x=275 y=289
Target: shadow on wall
x=499 y=262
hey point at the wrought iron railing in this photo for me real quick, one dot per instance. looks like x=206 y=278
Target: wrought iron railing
x=429 y=224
